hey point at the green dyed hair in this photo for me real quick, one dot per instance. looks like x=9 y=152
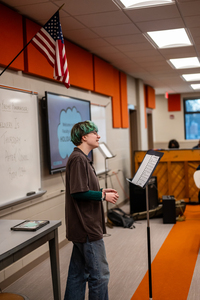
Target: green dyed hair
x=80 y=129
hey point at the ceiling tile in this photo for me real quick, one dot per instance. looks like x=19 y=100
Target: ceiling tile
x=76 y=8
x=104 y=19
x=153 y=13
x=107 y=50
x=126 y=39
x=14 y=3
x=193 y=21
x=157 y=68
x=138 y=74
x=117 y=30
x=164 y=72
x=142 y=53
x=188 y=71
x=163 y=24
x=157 y=57
x=93 y=43
x=190 y=8
x=198 y=49
x=110 y=57
x=40 y=11
x=126 y=64
x=195 y=31
x=183 y=1
x=69 y=23
x=178 y=52
x=134 y=47
x=126 y=68
x=152 y=64
x=79 y=35
x=118 y=56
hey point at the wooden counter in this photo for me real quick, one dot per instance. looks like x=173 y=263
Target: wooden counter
x=175 y=173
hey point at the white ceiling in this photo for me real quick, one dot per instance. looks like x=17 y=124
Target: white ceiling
x=116 y=35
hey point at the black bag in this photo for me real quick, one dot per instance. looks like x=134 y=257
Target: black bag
x=118 y=217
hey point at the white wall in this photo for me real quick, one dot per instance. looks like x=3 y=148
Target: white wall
x=131 y=91
x=52 y=205
x=135 y=93
x=166 y=128
x=142 y=134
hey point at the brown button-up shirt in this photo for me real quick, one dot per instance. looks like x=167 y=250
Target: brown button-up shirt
x=83 y=218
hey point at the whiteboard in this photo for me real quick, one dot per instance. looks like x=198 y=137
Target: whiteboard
x=20 y=171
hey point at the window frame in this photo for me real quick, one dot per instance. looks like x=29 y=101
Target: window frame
x=185 y=99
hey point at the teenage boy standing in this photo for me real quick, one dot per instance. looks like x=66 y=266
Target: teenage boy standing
x=85 y=222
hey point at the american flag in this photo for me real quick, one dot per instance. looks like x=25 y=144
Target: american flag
x=49 y=41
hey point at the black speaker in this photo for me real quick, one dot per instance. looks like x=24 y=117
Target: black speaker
x=138 y=196
x=169 y=210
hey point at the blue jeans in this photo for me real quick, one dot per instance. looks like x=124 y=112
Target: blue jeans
x=88 y=263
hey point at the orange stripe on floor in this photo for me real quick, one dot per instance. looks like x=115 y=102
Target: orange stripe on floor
x=173 y=267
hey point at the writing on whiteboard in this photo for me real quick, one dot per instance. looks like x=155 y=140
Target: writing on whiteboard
x=14 y=106
x=15 y=153
x=19 y=145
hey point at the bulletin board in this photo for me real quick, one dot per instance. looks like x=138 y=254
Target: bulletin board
x=20 y=169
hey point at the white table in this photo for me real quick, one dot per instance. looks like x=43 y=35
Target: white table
x=16 y=244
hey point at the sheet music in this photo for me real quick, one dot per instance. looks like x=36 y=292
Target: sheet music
x=146 y=168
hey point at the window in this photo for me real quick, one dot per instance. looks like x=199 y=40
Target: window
x=192 y=118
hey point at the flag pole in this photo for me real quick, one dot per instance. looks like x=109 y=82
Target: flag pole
x=61 y=6
x=15 y=57
x=24 y=48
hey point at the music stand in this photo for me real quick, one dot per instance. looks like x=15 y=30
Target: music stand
x=107 y=155
x=141 y=179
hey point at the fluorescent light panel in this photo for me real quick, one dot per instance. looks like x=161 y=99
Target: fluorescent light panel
x=131 y=4
x=184 y=63
x=196 y=86
x=191 y=77
x=170 y=38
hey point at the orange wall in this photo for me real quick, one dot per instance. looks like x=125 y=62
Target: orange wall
x=150 y=97
x=11 y=33
x=36 y=63
x=174 y=102
x=116 y=105
x=103 y=77
x=80 y=64
x=123 y=100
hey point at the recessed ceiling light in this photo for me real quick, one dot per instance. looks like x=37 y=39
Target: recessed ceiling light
x=196 y=86
x=170 y=38
x=184 y=63
x=191 y=77
x=131 y=4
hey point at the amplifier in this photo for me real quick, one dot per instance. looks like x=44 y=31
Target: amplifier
x=169 y=210
x=138 y=196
